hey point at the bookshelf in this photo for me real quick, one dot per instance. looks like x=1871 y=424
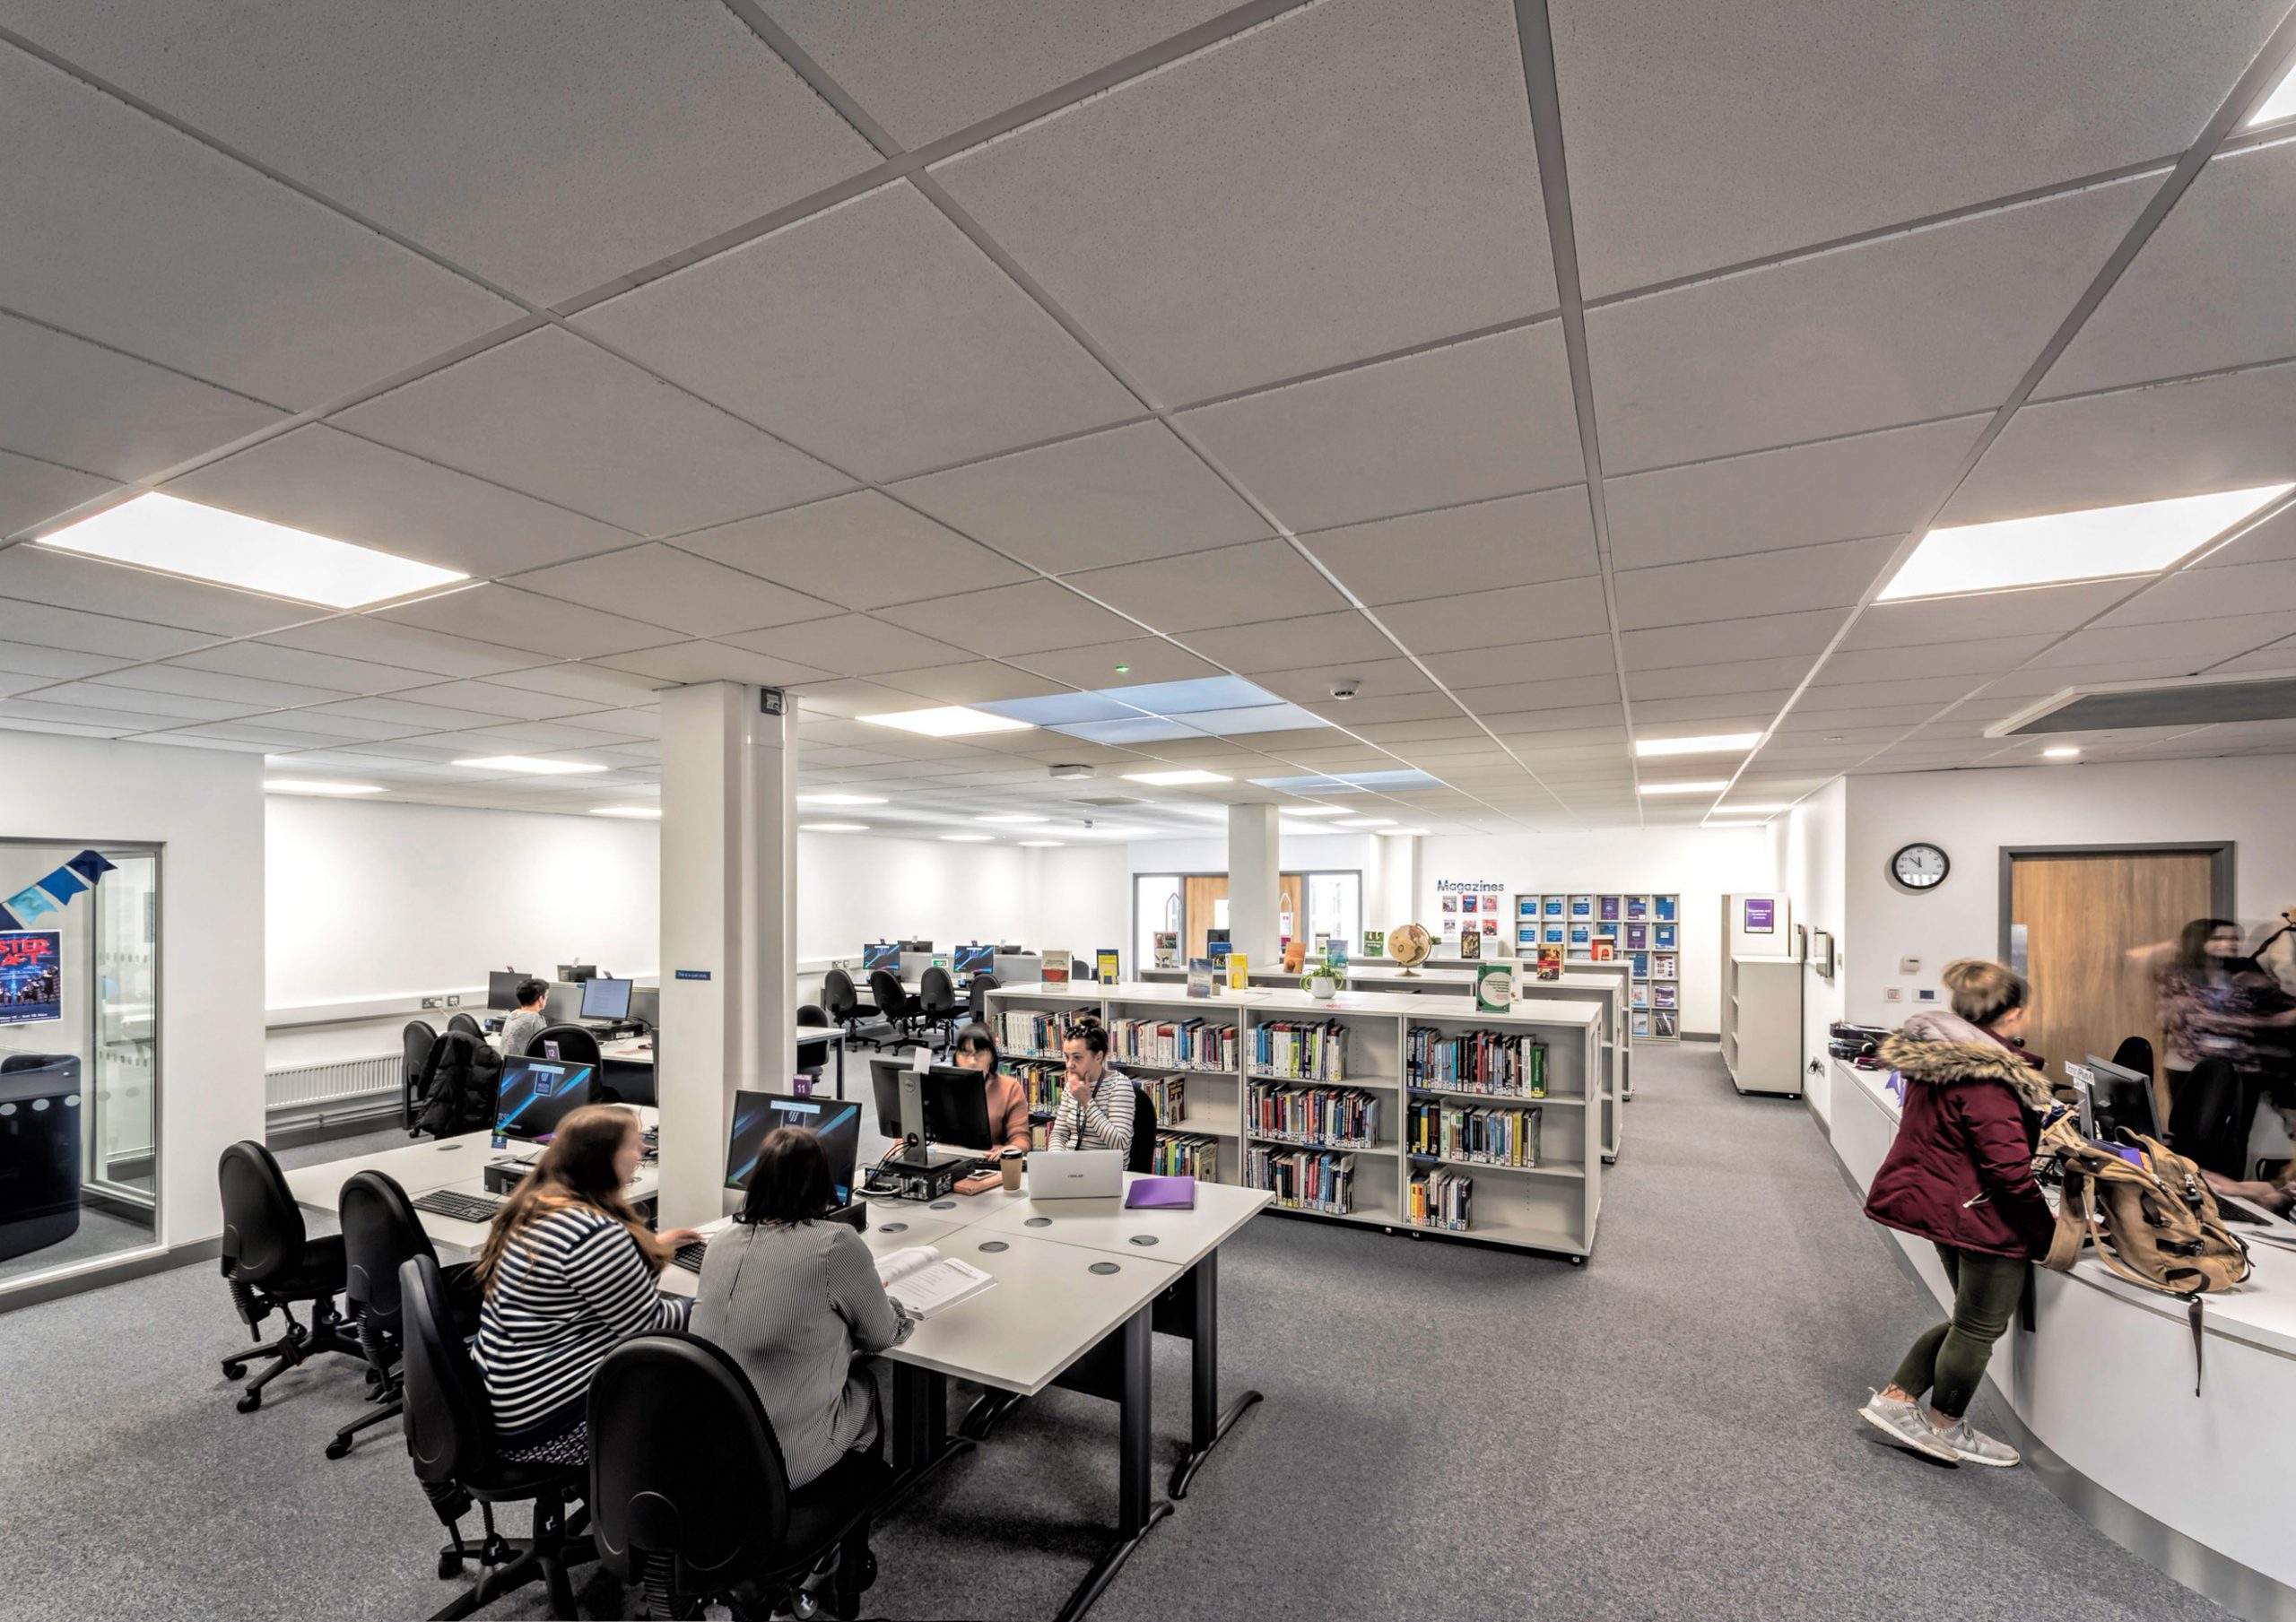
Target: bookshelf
x=1761 y=1024
x=1348 y=1061
x=1645 y=930
x=1611 y=1048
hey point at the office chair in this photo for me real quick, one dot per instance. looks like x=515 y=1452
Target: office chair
x=27 y=1061
x=577 y=1044
x=690 y=1497
x=381 y=1233
x=1142 y=1156
x=271 y=1263
x=811 y=1056
x=2135 y=1052
x=414 y=1062
x=936 y=1003
x=467 y=1025
x=976 y=997
x=899 y=1009
x=845 y=1006
x=450 y=1438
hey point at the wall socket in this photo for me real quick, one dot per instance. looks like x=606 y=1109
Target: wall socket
x=454 y=999
x=430 y=1001
x=1893 y=993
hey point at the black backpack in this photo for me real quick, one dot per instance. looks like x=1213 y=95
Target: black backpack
x=459 y=1085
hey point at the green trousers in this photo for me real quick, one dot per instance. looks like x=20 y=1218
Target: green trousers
x=1948 y=1361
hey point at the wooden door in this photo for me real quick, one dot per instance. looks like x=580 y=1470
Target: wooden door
x=2081 y=913
x=1199 y=892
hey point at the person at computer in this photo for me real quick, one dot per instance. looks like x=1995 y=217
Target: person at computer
x=1008 y=1100
x=530 y=1021
x=1096 y=1103
x=797 y=1301
x=568 y=1272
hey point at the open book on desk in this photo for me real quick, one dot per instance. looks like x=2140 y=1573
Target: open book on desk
x=925 y=1282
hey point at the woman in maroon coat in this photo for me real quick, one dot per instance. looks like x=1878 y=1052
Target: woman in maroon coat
x=1960 y=1175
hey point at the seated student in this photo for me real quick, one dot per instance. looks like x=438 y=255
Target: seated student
x=795 y=1300
x=1096 y=1105
x=568 y=1272
x=529 y=1022
x=1008 y=1100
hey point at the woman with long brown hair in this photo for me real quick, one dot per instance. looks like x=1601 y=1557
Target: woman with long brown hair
x=568 y=1271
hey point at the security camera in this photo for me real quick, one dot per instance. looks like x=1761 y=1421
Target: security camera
x=1347 y=687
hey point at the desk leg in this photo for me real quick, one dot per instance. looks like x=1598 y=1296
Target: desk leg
x=840 y=1071
x=1207 y=1424
x=920 y=1424
x=1136 y=1513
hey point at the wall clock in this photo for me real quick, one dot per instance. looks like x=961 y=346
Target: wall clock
x=1919 y=866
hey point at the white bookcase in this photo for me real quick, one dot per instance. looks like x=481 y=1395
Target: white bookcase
x=1644 y=929
x=1761 y=1024
x=1550 y=1206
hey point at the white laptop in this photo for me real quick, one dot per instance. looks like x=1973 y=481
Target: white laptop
x=1076 y=1174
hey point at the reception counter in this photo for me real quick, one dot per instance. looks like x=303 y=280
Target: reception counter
x=2101 y=1386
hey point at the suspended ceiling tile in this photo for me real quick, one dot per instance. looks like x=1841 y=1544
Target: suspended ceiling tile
x=971 y=681
x=1930 y=324
x=1718 y=641
x=1342 y=637
x=1514 y=541
x=32 y=492
x=25 y=663
x=41 y=574
x=862 y=550
x=1370 y=678
x=1014 y=619
x=266 y=663
x=2273 y=541
x=874 y=335
x=497 y=698
x=47 y=626
x=550 y=145
x=1702 y=135
x=1119 y=497
x=1985 y=657
x=663 y=586
x=1559 y=608
x=589 y=683
x=1144 y=659
x=526 y=619
x=258 y=289
x=691 y=662
x=850 y=645
x=1351 y=179
x=246 y=691
x=364 y=637
x=1489 y=417
x=1234 y=584
x=1833 y=575
x=164 y=708
x=2052 y=608
x=1541 y=660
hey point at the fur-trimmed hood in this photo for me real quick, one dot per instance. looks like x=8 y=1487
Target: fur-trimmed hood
x=1938 y=1048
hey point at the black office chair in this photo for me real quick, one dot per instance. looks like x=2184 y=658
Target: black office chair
x=271 y=1263
x=450 y=1438
x=811 y=1056
x=900 y=1011
x=1142 y=1156
x=415 y=1043
x=577 y=1044
x=467 y=1025
x=2209 y=1117
x=844 y=1005
x=690 y=1499
x=381 y=1234
x=2135 y=1052
x=976 y=997
x=937 y=1005
x=27 y=1062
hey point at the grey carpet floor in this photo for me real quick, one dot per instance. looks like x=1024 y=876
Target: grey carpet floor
x=1448 y=1432
x=99 y=1234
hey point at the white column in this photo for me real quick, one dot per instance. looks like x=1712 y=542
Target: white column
x=728 y=928
x=1254 y=873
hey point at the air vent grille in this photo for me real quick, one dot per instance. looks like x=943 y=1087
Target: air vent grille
x=2192 y=704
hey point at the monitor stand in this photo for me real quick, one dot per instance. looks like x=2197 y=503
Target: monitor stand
x=917 y=1154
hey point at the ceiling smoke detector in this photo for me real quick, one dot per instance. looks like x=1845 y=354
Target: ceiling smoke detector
x=1070 y=772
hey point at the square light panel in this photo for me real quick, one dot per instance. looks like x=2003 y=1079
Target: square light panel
x=178 y=537
x=948 y=721
x=1714 y=788
x=1713 y=743
x=2096 y=544
x=528 y=763
x=305 y=785
x=1176 y=779
x=2281 y=104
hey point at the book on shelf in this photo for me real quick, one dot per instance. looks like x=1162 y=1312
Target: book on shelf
x=1440 y=1197
x=1641 y=1026
x=1187 y=1154
x=1470 y=945
x=1603 y=951
x=1199 y=976
x=1552 y=907
x=1217 y=947
x=1494 y=987
x=1316 y=1180
x=1375 y=944
x=1662 y=936
x=1197 y=1043
x=1169 y=1094
x=1662 y=1023
x=1637 y=936
x=1638 y=907
x=1107 y=963
x=1041 y=1081
x=1478 y=1133
x=1239 y=971
x=1662 y=966
x=925 y=1282
x=1322 y=1116
x=1028 y=1030
x=1609 y=909
x=1167 y=949
x=1550 y=962
x=1055 y=967
x=1510 y=1065
x=1662 y=995
x=1305 y=1050
x=1662 y=908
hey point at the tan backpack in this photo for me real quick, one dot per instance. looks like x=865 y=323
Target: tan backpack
x=2155 y=1223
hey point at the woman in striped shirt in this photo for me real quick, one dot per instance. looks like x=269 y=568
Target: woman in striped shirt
x=570 y=1273
x=1097 y=1101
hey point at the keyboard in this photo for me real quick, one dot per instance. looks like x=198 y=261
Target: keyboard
x=462 y=1207
x=689 y=1256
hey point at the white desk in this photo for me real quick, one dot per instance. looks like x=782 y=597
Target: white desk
x=639 y=1050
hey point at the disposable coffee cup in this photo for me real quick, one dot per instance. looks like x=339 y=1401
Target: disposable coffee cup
x=1010 y=1166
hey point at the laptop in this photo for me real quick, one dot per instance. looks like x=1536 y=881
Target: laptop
x=1075 y=1174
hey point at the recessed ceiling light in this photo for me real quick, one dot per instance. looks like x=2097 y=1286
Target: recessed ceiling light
x=832 y=827
x=840 y=798
x=306 y=785
x=1749 y=811
x=1715 y=743
x=1317 y=810
x=528 y=763
x=651 y=813
x=1366 y=823
x=2281 y=104
x=2096 y=544
x=2063 y=751
x=948 y=721
x=1715 y=787
x=968 y=839
x=1122 y=670
x=179 y=537
x=1013 y=817
x=1041 y=843
x=1176 y=779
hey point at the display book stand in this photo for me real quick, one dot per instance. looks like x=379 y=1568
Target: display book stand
x=1550 y=1206
x=1575 y=920
x=1761 y=1019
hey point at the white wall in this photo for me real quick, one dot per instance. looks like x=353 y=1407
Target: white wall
x=1083 y=900
x=1700 y=864
x=854 y=889
x=205 y=809
x=1812 y=841
x=1972 y=814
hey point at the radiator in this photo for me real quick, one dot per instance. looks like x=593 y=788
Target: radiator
x=324 y=1090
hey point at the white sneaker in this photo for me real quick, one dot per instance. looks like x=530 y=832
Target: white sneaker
x=1903 y=1422
x=1974 y=1446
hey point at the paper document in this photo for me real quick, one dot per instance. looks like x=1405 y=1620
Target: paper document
x=924 y=1281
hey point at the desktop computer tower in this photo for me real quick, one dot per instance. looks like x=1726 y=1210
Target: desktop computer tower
x=40 y=1152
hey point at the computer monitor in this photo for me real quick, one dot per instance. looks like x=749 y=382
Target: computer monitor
x=646 y=1006
x=976 y=959
x=1007 y=949
x=502 y=989
x=916 y=946
x=605 y=998
x=954 y=1102
x=836 y=1121
x=534 y=1094
x=883 y=954
x=574 y=973
x=2120 y=1098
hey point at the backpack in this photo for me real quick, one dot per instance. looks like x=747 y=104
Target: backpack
x=2153 y=1224
x=458 y=1087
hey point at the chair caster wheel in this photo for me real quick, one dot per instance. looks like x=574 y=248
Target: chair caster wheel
x=450 y=1564
x=340 y=1448
x=235 y=1371
x=865 y=1575
x=250 y=1403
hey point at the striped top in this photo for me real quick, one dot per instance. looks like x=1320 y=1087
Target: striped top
x=1104 y=1123
x=571 y=1287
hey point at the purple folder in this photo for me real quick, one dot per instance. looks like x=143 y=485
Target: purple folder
x=1161 y=1193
